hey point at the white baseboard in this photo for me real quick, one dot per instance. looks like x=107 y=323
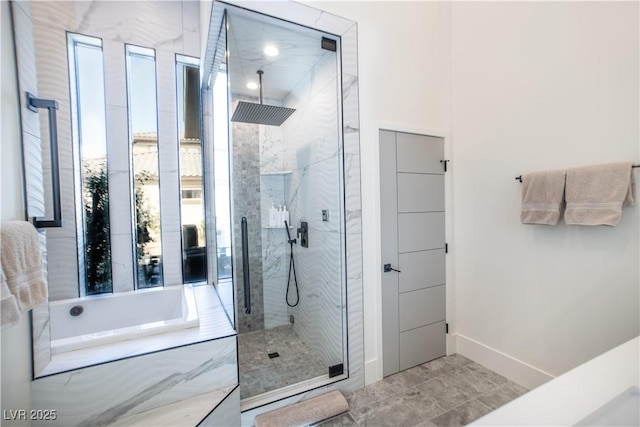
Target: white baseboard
x=516 y=370
x=371 y=374
x=451 y=344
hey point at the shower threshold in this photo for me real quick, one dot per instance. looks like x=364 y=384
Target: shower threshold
x=288 y=391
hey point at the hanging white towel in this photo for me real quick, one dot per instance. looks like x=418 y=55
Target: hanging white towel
x=9 y=311
x=596 y=194
x=22 y=263
x=542 y=197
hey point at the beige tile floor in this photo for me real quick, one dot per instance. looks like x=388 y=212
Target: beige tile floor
x=450 y=391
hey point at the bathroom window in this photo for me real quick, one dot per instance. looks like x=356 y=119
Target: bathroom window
x=86 y=73
x=194 y=251
x=140 y=189
x=143 y=136
x=221 y=166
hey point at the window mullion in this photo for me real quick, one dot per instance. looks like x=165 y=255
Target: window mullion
x=119 y=163
x=169 y=168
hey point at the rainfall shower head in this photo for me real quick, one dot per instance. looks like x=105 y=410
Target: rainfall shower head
x=261 y=114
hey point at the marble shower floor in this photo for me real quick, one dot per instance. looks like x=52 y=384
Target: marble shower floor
x=450 y=391
x=259 y=373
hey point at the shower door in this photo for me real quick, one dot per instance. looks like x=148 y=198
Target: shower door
x=285 y=165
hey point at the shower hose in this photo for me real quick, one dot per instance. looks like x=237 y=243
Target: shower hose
x=292 y=269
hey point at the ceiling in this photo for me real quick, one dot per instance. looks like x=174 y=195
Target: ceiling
x=299 y=51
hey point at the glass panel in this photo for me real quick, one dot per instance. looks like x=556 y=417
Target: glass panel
x=194 y=265
x=86 y=70
x=285 y=164
x=143 y=128
x=221 y=167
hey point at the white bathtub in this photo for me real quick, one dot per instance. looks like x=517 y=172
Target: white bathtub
x=117 y=317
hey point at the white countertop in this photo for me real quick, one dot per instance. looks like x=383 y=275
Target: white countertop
x=606 y=385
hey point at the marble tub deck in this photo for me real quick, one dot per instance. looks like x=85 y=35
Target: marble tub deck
x=260 y=374
x=450 y=391
x=214 y=324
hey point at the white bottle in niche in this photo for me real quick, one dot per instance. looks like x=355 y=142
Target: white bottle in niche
x=279 y=217
x=285 y=215
x=273 y=220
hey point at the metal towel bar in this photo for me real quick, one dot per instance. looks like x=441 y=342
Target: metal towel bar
x=51 y=106
x=519 y=178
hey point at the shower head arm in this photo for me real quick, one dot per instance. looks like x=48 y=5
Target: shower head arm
x=260 y=73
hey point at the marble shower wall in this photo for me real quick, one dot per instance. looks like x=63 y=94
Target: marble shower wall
x=274 y=240
x=245 y=202
x=312 y=152
x=258 y=182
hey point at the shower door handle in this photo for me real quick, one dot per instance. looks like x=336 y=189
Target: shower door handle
x=387 y=268
x=245 y=266
x=51 y=105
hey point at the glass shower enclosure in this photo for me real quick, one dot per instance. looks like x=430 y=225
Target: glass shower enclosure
x=275 y=168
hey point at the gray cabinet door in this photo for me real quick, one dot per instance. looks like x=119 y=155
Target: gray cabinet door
x=413 y=241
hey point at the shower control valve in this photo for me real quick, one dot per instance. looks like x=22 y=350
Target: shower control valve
x=303 y=233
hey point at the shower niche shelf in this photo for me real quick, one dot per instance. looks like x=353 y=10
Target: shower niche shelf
x=280 y=173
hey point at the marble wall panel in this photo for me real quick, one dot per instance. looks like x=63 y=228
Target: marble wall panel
x=271 y=149
x=226 y=413
x=102 y=394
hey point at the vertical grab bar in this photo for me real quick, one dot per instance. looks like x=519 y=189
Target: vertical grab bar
x=51 y=105
x=245 y=266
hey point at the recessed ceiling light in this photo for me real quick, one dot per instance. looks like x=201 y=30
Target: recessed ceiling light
x=271 y=50
x=252 y=85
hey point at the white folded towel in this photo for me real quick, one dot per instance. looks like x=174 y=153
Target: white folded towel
x=542 y=197
x=596 y=194
x=21 y=262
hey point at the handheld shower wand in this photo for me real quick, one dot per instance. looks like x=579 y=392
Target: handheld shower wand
x=286 y=227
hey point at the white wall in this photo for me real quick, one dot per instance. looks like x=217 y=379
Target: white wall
x=404 y=84
x=535 y=86
x=539 y=86
x=15 y=346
